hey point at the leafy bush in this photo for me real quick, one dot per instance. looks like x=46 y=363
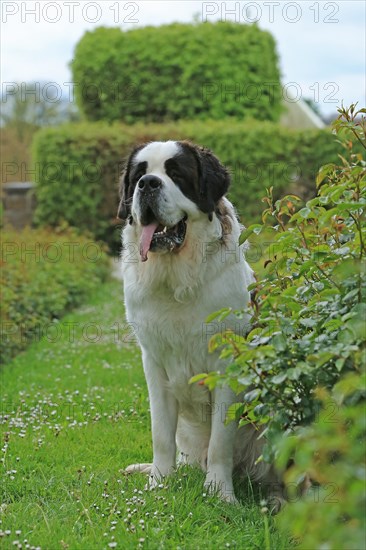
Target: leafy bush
x=332 y=451
x=156 y=74
x=78 y=166
x=43 y=275
x=306 y=351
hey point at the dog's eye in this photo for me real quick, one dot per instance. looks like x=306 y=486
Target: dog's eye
x=175 y=175
x=138 y=175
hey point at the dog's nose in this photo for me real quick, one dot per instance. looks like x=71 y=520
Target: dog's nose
x=149 y=183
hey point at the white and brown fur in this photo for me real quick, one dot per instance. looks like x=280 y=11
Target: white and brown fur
x=168 y=298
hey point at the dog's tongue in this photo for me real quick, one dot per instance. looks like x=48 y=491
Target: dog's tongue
x=146 y=238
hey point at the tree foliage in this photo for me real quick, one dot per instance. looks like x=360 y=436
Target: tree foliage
x=29 y=105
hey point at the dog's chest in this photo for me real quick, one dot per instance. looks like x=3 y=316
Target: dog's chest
x=163 y=323
x=174 y=338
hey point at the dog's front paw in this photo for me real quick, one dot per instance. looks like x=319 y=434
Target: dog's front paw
x=156 y=477
x=153 y=482
x=223 y=489
x=275 y=504
x=144 y=468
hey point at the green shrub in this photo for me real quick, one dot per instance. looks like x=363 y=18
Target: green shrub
x=78 y=166
x=43 y=275
x=302 y=366
x=332 y=451
x=156 y=74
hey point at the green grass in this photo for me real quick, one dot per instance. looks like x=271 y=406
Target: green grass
x=74 y=414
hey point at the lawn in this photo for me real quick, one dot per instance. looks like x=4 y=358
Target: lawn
x=74 y=414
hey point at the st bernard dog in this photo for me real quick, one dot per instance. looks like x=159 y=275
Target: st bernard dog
x=181 y=261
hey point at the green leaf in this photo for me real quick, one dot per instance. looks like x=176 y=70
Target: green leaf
x=294 y=373
x=279 y=342
x=220 y=314
x=324 y=171
x=234 y=412
x=342 y=251
x=252 y=395
x=279 y=378
x=305 y=212
x=339 y=363
x=308 y=322
x=254 y=228
x=245 y=380
x=198 y=378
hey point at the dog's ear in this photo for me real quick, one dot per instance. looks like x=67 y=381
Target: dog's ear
x=214 y=181
x=125 y=188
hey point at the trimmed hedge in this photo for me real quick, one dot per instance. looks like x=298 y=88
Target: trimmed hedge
x=44 y=274
x=171 y=72
x=78 y=166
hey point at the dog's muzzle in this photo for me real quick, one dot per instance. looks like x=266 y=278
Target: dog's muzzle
x=157 y=235
x=149 y=189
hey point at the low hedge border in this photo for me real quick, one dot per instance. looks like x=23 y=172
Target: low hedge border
x=78 y=166
x=44 y=274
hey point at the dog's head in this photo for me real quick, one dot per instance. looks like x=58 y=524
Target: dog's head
x=164 y=185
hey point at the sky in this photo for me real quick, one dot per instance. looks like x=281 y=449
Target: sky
x=321 y=44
